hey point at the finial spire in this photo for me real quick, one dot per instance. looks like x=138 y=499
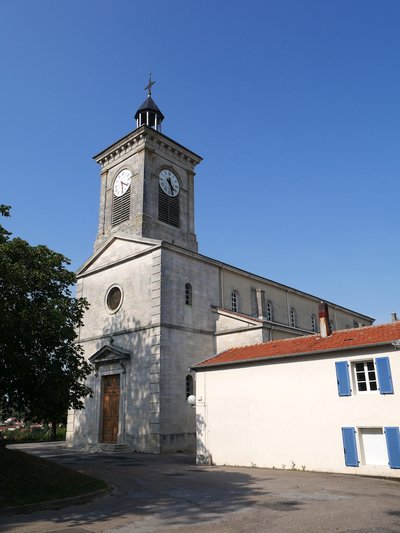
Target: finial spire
x=149 y=86
x=148 y=113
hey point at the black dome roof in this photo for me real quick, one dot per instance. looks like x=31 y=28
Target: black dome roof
x=149 y=105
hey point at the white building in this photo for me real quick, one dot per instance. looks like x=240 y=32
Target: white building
x=314 y=403
x=157 y=306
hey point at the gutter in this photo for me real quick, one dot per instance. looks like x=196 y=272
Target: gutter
x=286 y=356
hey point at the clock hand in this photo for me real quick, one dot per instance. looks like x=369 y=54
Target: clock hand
x=170 y=185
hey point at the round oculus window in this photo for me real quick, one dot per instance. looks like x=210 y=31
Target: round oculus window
x=114 y=299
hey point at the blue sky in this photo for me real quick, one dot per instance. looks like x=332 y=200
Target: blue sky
x=293 y=104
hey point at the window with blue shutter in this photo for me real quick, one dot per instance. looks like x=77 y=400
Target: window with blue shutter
x=350 y=446
x=393 y=445
x=382 y=366
x=343 y=378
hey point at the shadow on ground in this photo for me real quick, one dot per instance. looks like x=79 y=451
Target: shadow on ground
x=168 y=489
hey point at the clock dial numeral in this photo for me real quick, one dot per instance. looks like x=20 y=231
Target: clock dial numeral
x=169 y=182
x=122 y=182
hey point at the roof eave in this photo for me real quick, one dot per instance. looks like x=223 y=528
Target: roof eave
x=197 y=368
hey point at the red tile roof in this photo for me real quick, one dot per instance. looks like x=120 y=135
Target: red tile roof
x=311 y=344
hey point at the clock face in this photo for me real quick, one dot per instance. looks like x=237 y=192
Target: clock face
x=169 y=182
x=122 y=182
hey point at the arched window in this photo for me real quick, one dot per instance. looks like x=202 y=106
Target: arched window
x=189 y=385
x=313 y=324
x=293 y=317
x=268 y=311
x=235 y=301
x=188 y=294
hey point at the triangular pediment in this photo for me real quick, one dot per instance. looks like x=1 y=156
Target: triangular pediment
x=109 y=354
x=117 y=249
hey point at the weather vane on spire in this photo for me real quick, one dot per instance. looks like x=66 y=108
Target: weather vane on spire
x=149 y=86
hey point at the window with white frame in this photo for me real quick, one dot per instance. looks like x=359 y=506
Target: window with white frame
x=379 y=446
x=362 y=377
x=365 y=376
x=293 y=317
x=268 y=311
x=235 y=301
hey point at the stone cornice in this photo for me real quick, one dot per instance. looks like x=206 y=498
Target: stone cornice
x=109 y=354
x=151 y=244
x=145 y=137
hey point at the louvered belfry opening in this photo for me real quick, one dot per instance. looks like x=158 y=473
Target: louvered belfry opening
x=121 y=208
x=168 y=208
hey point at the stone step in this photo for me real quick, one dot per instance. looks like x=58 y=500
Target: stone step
x=114 y=448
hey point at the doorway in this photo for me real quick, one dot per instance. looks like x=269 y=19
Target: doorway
x=110 y=408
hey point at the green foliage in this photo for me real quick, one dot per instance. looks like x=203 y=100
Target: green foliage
x=44 y=434
x=5 y=212
x=42 y=367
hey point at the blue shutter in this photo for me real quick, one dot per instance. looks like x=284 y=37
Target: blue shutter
x=393 y=445
x=350 y=446
x=384 y=375
x=343 y=380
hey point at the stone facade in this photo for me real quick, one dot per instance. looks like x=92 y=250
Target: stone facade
x=145 y=152
x=175 y=308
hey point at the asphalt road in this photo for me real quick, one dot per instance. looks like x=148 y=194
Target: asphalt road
x=171 y=494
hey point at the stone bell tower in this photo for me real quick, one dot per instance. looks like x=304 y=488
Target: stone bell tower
x=147 y=183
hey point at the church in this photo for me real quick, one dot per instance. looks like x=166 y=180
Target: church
x=157 y=306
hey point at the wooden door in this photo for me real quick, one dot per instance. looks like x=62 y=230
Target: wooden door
x=110 y=408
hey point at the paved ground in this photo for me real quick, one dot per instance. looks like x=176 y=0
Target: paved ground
x=171 y=494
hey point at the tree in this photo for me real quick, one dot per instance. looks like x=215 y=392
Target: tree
x=43 y=370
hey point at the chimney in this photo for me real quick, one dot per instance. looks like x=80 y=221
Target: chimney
x=394 y=317
x=324 y=327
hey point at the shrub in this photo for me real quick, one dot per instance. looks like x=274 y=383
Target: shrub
x=33 y=435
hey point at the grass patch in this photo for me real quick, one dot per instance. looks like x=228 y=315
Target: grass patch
x=29 y=479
